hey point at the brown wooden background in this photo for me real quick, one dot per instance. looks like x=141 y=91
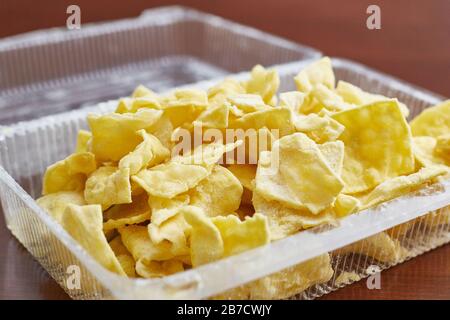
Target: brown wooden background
x=413 y=44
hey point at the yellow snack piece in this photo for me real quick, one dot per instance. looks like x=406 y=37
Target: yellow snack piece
x=84 y=224
x=443 y=147
x=56 y=203
x=248 y=103
x=132 y=105
x=317 y=72
x=214 y=117
x=346 y=205
x=209 y=193
x=293 y=100
x=164 y=208
x=304 y=179
x=121 y=215
x=333 y=152
x=138 y=242
x=147 y=154
x=245 y=173
x=239 y=236
x=274 y=118
x=185 y=106
x=170 y=179
x=285 y=283
x=114 y=135
x=218 y=94
x=107 y=186
x=173 y=230
x=83 y=141
x=143 y=91
x=354 y=95
x=123 y=256
x=69 y=174
x=424 y=149
x=433 y=122
x=329 y=99
x=284 y=221
x=377 y=145
x=346 y=278
x=319 y=128
x=158 y=269
x=263 y=82
x=399 y=186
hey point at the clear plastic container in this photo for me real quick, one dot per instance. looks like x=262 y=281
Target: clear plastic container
x=50 y=71
x=342 y=253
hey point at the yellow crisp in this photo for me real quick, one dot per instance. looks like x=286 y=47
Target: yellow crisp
x=399 y=186
x=131 y=213
x=56 y=203
x=209 y=193
x=206 y=242
x=69 y=174
x=83 y=141
x=239 y=236
x=123 y=256
x=377 y=145
x=303 y=179
x=317 y=72
x=263 y=82
x=84 y=224
x=333 y=152
x=434 y=121
x=114 y=135
x=108 y=186
x=147 y=154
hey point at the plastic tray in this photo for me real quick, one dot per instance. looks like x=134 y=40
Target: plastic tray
x=50 y=71
x=26 y=149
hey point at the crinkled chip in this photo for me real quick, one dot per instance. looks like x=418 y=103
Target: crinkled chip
x=317 y=72
x=345 y=205
x=170 y=179
x=175 y=230
x=69 y=174
x=333 y=153
x=263 y=82
x=329 y=99
x=206 y=242
x=164 y=208
x=209 y=193
x=398 y=186
x=158 y=269
x=219 y=93
x=138 y=242
x=248 y=103
x=107 y=186
x=245 y=173
x=302 y=178
x=354 y=95
x=293 y=100
x=124 y=256
x=434 y=121
x=284 y=221
x=131 y=105
x=319 y=128
x=142 y=91
x=85 y=225
x=114 y=135
x=214 y=117
x=147 y=154
x=185 y=106
x=239 y=236
x=273 y=119
x=121 y=215
x=377 y=143
x=56 y=203
x=424 y=149
x=83 y=141
x=443 y=147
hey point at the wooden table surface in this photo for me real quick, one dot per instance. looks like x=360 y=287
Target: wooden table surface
x=413 y=44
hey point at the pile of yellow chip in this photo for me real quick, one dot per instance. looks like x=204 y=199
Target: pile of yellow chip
x=142 y=212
